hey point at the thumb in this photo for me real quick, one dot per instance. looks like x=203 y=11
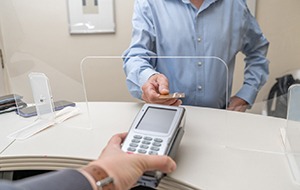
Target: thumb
x=163 y=84
x=161 y=163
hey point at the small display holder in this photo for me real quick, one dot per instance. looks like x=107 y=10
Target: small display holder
x=44 y=107
x=291 y=133
x=42 y=96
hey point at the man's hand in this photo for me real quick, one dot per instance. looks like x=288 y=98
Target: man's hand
x=126 y=168
x=155 y=86
x=237 y=104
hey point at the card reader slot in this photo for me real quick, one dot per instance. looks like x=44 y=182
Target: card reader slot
x=152 y=178
x=173 y=149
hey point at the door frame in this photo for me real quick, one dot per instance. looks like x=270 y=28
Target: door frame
x=3 y=81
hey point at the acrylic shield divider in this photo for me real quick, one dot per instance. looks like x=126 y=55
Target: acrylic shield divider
x=105 y=84
x=291 y=133
x=257 y=136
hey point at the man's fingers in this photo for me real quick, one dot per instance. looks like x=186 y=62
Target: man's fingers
x=237 y=104
x=158 y=85
x=149 y=93
x=178 y=102
x=163 y=84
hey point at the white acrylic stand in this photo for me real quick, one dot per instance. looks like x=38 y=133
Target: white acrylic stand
x=44 y=106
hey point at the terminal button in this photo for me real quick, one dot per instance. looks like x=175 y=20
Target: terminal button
x=153 y=153
x=133 y=145
x=146 y=142
x=142 y=151
x=137 y=136
x=131 y=149
x=156 y=144
x=135 y=140
x=148 y=138
x=158 y=140
x=154 y=148
x=144 y=146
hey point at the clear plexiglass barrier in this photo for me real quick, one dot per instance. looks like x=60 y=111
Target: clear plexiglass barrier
x=291 y=133
x=104 y=79
x=262 y=134
x=111 y=84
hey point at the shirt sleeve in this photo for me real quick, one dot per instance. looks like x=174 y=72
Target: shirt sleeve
x=139 y=58
x=255 y=48
x=63 y=180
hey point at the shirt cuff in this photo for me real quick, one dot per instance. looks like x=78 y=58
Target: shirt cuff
x=247 y=93
x=145 y=75
x=89 y=178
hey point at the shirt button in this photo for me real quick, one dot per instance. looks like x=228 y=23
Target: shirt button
x=199 y=63
x=199 y=87
x=199 y=39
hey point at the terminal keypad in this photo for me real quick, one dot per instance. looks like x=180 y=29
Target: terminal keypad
x=145 y=145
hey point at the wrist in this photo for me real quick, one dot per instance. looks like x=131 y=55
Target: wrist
x=98 y=178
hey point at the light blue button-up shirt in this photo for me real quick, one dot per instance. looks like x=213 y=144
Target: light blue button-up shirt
x=204 y=41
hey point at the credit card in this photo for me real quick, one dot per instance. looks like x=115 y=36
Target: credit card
x=172 y=95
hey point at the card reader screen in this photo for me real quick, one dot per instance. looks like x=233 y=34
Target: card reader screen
x=157 y=120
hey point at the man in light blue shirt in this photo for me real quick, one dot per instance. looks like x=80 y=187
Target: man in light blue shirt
x=204 y=36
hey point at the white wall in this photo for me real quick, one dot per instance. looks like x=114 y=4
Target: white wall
x=36 y=37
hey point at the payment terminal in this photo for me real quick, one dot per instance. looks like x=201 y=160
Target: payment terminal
x=156 y=130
